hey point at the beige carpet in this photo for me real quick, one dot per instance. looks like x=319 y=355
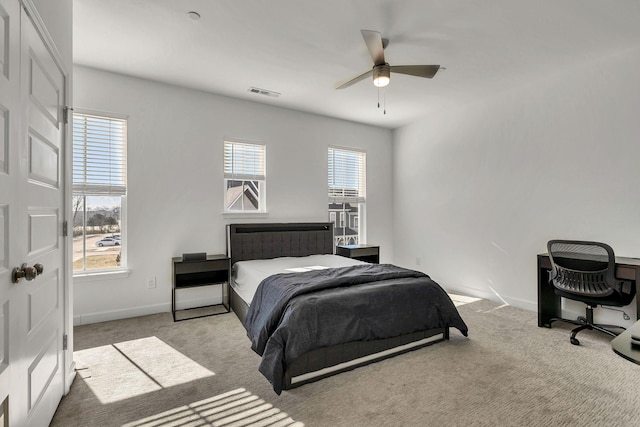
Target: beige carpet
x=150 y=371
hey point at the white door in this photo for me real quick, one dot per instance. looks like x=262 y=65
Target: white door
x=9 y=106
x=31 y=217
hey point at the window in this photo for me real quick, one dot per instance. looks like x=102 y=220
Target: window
x=347 y=194
x=99 y=191
x=244 y=177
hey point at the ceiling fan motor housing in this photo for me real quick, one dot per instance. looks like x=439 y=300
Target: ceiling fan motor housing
x=381 y=75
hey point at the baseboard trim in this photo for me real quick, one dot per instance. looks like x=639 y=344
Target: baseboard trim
x=105 y=316
x=521 y=303
x=71 y=375
x=481 y=293
x=478 y=293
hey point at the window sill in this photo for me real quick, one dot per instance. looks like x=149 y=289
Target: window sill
x=245 y=214
x=100 y=275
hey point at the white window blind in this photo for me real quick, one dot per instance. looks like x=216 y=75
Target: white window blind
x=347 y=176
x=99 y=155
x=244 y=161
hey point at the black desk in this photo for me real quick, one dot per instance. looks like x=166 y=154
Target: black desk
x=622 y=344
x=549 y=304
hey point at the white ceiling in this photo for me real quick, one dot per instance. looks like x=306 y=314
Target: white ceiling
x=304 y=49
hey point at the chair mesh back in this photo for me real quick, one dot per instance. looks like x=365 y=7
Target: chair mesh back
x=582 y=268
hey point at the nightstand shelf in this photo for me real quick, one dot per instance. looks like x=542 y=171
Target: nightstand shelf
x=367 y=253
x=212 y=271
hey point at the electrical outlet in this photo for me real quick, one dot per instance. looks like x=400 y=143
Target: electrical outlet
x=151 y=283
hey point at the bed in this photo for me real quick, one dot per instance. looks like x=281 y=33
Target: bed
x=316 y=314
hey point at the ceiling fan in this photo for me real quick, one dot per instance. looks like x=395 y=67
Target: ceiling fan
x=381 y=71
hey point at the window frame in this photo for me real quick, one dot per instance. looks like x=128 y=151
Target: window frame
x=352 y=196
x=230 y=174
x=122 y=269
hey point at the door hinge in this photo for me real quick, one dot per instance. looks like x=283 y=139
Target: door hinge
x=65 y=341
x=65 y=113
x=65 y=229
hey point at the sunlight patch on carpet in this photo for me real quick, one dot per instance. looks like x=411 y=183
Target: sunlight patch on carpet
x=132 y=368
x=235 y=408
x=459 y=300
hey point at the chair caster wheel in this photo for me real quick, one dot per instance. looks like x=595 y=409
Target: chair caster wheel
x=574 y=341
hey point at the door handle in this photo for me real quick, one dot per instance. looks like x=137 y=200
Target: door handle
x=26 y=272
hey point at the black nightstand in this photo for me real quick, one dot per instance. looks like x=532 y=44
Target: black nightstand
x=214 y=270
x=367 y=253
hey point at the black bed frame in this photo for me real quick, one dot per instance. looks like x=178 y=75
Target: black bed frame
x=272 y=240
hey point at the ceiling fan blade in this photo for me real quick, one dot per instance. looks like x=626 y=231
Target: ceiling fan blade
x=373 y=39
x=427 y=71
x=356 y=79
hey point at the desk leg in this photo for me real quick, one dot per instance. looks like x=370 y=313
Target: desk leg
x=549 y=304
x=636 y=280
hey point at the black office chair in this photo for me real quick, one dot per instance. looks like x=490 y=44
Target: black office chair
x=585 y=271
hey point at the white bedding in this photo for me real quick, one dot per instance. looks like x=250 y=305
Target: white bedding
x=247 y=275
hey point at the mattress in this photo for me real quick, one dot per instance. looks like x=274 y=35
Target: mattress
x=247 y=275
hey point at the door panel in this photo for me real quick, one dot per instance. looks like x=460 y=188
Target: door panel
x=9 y=107
x=43 y=300
x=42 y=372
x=4 y=48
x=42 y=230
x=40 y=216
x=43 y=161
x=4 y=238
x=44 y=89
x=4 y=138
x=4 y=337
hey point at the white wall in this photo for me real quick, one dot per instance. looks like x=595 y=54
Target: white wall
x=478 y=191
x=175 y=190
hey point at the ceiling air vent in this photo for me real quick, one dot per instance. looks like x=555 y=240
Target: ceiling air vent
x=265 y=92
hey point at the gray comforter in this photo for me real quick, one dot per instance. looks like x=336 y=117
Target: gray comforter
x=294 y=313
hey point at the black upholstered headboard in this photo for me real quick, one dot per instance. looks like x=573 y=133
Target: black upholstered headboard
x=272 y=240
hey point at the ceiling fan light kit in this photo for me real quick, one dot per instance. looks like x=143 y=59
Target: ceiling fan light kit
x=381 y=75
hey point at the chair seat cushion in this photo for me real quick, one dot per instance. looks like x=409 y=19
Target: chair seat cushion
x=616 y=299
